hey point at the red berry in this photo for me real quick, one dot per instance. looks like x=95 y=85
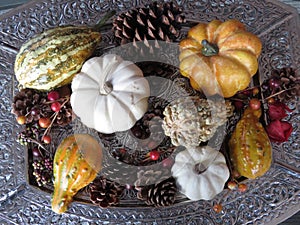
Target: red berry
x=55 y=106
x=218 y=208
x=21 y=120
x=254 y=104
x=238 y=105
x=44 y=122
x=46 y=139
x=232 y=185
x=53 y=95
x=242 y=187
x=154 y=155
x=274 y=83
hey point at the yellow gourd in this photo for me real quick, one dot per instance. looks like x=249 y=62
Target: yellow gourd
x=77 y=161
x=250 y=147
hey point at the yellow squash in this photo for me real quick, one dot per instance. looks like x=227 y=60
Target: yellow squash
x=250 y=147
x=77 y=161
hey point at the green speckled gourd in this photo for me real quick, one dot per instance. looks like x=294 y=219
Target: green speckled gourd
x=76 y=163
x=51 y=59
x=250 y=147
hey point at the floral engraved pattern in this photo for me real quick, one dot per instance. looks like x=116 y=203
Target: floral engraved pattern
x=266 y=199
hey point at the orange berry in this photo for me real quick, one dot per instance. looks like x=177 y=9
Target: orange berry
x=44 y=122
x=47 y=139
x=254 y=104
x=242 y=187
x=271 y=100
x=232 y=185
x=255 y=91
x=21 y=120
x=218 y=208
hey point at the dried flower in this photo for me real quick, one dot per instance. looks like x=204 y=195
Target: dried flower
x=279 y=131
x=277 y=110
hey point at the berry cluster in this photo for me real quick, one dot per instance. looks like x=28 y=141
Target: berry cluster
x=39 y=111
x=42 y=171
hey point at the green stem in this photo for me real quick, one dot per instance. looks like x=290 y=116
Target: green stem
x=209 y=49
x=103 y=20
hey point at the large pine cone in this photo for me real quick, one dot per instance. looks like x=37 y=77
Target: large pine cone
x=154 y=22
x=161 y=194
x=104 y=192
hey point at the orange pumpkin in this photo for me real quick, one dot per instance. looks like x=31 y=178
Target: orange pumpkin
x=219 y=57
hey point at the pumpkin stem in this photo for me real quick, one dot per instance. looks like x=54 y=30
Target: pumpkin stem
x=106 y=88
x=200 y=168
x=209 y=49
x=103 y=20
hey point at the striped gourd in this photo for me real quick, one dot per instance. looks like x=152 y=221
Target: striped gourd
x=52 y=58
x=249 y=145
x=76 y=163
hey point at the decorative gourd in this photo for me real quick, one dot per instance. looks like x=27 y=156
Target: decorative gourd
x=191 y=120
x=250 y=147
x=53 y=57
x=109 y=94
x=201 y=172
x=219 y=58
x=76 y=163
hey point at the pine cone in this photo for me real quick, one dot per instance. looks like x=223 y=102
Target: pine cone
x=154 y=22
x=161 y=194
x=289 y=82
x=104 y=192
x=65 y=115
x=30 y=103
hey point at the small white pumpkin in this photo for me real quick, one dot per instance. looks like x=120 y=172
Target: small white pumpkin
x=109 y=94
x=201 y=172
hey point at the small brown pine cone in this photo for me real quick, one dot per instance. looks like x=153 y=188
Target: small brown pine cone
x=290 y=82
x=104 y=192
x=30 y=103
x=161 y=194
x=65 y=115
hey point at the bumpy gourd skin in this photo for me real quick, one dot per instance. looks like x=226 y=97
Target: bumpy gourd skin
x=51 y=59
x=225 y=68
x=250 y=148
x=77 y=161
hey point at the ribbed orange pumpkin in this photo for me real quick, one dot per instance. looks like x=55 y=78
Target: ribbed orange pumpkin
x=77 y=161
x=219 y=57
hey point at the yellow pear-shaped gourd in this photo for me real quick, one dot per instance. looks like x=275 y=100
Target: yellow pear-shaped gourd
x=77 y=161
x=250 y=147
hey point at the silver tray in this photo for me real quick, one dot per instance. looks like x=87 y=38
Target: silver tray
x=268 y=200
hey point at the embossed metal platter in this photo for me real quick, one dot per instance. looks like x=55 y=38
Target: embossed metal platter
x=268 y=200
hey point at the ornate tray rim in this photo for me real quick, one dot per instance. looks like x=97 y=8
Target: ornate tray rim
x=293 y=14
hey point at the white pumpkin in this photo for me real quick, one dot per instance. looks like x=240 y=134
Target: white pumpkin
x=201 y=172
x=109 y=94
